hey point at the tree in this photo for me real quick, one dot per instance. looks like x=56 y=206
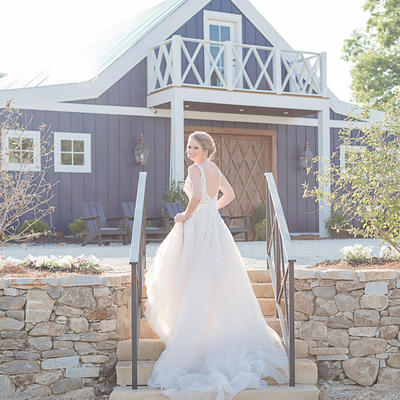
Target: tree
x=367 y=189
x=375 y=54
x=24 y=188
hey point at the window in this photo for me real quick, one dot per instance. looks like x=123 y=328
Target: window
x=21 y=150
x=72 y=152
x=220 y=27
x=349 y=154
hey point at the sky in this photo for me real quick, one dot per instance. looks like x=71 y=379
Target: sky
x=34 y=33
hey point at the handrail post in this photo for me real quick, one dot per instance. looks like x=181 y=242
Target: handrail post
x=176 y=65
x=322 y=73
x=228 y=65
x=150 y=71
x=277 y=70
x=292 y=355
x=137 y=260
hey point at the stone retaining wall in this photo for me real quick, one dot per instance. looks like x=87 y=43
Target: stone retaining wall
x=350 y=320
x=58 y=335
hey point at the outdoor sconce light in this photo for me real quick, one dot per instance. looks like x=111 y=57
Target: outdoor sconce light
x=306 y=157
x=142 y=152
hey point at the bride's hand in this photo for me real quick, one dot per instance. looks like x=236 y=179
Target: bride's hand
x=180 y=217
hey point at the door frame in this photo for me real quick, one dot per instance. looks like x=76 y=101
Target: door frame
x=244 y=132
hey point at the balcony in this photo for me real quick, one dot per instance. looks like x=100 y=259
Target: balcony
x=180 y=62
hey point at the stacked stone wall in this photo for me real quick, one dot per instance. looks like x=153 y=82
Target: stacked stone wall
x=58 y=335
x=350 y=320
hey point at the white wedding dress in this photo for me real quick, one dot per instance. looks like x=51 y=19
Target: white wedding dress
x=201 y=304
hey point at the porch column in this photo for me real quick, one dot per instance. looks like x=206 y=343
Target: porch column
x=324 y=149
x=177 y=140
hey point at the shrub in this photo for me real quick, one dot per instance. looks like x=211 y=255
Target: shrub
x=175 y=193
x=259 y=228
x=53 y=263
x=337 y=224
x=357 y=254
x=34 y=226
x=78 y=228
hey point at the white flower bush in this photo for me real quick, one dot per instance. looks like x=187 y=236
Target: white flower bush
x=357 y=253
x=389 y=253
x=55 y=263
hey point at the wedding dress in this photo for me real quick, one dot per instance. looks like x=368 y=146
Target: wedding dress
x=201 y=304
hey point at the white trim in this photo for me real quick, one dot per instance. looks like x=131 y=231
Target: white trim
x=86 y=138
x=237 y=98
x=166 y=113
x=217 y=16
x=342 y=153
x=35 y=135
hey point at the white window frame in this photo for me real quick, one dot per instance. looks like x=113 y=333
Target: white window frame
x=35 y=135
x=87 y=165
x=221 y=18
x=343 y=150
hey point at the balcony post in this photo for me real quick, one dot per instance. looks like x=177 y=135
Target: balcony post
x=277 y=70
x=322 y=74
x=150 y=72
x=176 y=73
x=324 y=151
x=228 y=65
x=177 y=146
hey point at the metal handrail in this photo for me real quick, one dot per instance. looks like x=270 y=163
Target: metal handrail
x=280 y=262
x=137 y=260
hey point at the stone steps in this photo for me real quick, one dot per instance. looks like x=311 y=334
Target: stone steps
x=284 y=392
x=261 y=289
x=150 y=349
x=147 y=332
x=306 y=372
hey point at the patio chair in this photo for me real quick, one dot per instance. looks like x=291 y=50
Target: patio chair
x=237 y=230
x=98 y=225
x=155 y=232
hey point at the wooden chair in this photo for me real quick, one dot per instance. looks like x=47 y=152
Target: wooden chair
x=98 y=225
x=173 y=209
x=155 y=232
x=237 y=230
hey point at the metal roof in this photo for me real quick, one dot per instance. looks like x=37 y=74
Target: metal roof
x=96 y=58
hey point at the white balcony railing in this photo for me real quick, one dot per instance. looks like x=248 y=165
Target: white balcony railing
x=232 y=66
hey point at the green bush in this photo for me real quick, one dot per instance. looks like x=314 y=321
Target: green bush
x=34 y=226
x=78 y=228
x=259 y=228
x=337 y=224
x=176 y=194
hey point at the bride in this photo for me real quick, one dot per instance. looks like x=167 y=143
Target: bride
x=200 y=300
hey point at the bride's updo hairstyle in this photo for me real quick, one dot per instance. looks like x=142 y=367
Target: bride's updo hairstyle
x=206 y=141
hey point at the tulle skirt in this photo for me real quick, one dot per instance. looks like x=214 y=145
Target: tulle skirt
x=201 y=304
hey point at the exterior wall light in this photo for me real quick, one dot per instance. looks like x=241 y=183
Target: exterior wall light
x=142 y=151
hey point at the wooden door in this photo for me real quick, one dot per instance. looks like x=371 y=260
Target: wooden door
x=243 y=155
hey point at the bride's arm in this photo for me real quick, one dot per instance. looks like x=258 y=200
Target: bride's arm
x=195 y=178
x=228 y=193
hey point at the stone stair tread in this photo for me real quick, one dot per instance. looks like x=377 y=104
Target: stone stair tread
x=151 y=349
x=282 y=392
x=306 y=372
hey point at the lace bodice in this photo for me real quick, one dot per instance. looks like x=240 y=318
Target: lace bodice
x=205 y=197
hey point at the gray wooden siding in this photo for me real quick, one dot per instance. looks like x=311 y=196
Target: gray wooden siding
x=301 y=214
x=114 y=172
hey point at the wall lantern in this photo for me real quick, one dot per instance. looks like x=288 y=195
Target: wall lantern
x=306 y=157
x=142 y=151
